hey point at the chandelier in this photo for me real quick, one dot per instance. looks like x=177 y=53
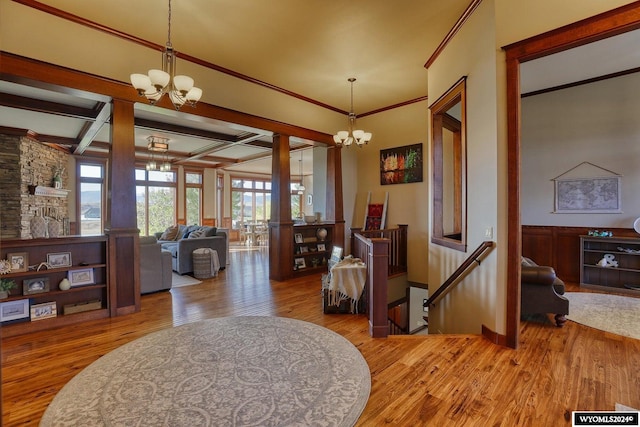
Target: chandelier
x=158 y=82
x=301 y=187
x=348 y=137
x=158 y=144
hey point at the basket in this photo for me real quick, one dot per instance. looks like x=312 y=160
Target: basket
x=203 y=264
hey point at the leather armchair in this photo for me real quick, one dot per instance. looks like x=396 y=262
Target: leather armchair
x=155 y=266
x=542 y=292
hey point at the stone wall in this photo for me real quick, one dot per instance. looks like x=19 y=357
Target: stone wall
x=10 y=186
x=23 y=162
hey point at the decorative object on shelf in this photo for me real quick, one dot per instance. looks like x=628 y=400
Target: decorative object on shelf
x=298 y=238
x=158 y=82
x=309 y=219
x=5 y=266
x=35 y=286
x=321 y=247
x=158 y=144
x=629 y=250
x=322 y=233
x=348 y=137
x=299 y=264
x=82 y=306
x=60 y=259
x=42 y=311
x=53 y=228
x=38 y=227
x=636 y=225
x=5 y=287
x=608 y=260
x=57 y=177
x=318 y=216
x=41 y=266
x=80 y=277
x=597 y=233
x=19 y=261
x=14 y=310
x=64 y=284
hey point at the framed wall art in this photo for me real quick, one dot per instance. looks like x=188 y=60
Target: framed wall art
x=588 y=188
x=401 y=165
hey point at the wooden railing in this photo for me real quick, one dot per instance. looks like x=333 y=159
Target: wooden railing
x=397 y=246
x=464 y=267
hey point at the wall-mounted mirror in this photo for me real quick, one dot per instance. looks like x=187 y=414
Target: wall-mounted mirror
x=448 y=154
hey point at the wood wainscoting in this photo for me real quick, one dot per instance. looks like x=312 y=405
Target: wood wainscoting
x=559 y=247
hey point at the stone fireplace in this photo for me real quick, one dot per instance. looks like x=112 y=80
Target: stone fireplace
x=25 y=162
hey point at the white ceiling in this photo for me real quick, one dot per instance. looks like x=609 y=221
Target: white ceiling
x=307 y=47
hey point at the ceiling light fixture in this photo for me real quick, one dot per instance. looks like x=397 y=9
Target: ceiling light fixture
x=158 y=144
x=301 y=187
x=348 y=137
x=158 y=82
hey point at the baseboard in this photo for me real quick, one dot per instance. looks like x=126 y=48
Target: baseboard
x=494 y=337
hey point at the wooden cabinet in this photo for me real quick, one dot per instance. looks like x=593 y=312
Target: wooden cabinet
x=312 y=247
x=622 y=276
x=84 y=259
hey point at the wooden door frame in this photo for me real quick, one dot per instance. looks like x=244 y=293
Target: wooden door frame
x=607 y=24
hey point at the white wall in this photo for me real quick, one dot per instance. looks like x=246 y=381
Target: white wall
x=407 y=202
x=596 y=123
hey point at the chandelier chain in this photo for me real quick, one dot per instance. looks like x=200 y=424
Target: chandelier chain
x=169 y=27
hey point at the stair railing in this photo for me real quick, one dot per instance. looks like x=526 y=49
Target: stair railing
x=460 y=271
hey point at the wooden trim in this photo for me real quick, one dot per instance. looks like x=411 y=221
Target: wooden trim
x=183 y=56
x=453 y=31
x=613 y=22
x=494 y=337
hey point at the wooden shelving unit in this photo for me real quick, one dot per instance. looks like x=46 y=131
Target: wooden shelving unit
x=86 y=253
x=624 y=277
x=311 y=252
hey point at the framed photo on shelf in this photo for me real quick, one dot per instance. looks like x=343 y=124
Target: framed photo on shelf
x=321 y=247
x=80 y=277
x=35 y=286
x=299 y=263
x=60 y=259
x=298 y=237
x=45 y=310
x=19 y=261
x=14 y=310
x=304 y=250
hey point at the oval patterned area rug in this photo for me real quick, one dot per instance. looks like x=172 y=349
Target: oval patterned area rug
x=607 y=312
x=230 y=371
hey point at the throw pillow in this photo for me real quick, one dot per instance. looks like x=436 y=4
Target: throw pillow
x=170 y=233
x=197 y=233
x=210 y=231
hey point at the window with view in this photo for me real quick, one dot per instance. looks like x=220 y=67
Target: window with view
x=193 y=197
x=155 y=200
x=91 y=192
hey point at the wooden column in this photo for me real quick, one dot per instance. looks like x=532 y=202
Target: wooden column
x=280 y=224
x=121 y=223
x=377 y=270
x=334 y=203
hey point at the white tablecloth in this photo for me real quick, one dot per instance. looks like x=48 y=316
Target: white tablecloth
x=346 y=281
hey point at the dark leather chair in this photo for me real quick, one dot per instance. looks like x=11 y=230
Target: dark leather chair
x=542 y=292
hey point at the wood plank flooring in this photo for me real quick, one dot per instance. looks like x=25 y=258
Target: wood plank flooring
x=439 y=380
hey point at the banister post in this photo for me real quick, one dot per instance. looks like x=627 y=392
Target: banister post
x=377 y=271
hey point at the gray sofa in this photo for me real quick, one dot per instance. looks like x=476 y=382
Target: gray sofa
x=155 y=266
x=185 y=243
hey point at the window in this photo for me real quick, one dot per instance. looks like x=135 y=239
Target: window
x=155 y=200
x=250 y=201
x=449 y=168
x=91 y=192
x=193 y=197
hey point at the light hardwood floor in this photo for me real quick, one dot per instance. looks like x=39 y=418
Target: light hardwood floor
x=438 y=380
